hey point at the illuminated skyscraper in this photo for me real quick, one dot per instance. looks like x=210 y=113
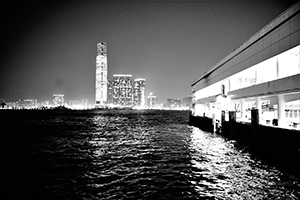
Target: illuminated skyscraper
x=139 y=92
x=27 y=103
x=101 y=74
x=173 y=103
x=110 y=92
x=122 y=89
x=58 y=99
x=151 y=100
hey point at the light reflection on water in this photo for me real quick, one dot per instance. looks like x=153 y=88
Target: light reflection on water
x=232 y=174
x=140 y=155
x=149 y=150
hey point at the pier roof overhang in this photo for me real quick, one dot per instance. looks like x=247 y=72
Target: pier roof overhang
x=281 y=86
x=285 y=86
x=293 y=10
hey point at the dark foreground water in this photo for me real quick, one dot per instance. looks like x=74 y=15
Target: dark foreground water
x=128 y=155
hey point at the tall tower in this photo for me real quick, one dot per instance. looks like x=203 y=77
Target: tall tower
x=101 y=74
x=139 y=92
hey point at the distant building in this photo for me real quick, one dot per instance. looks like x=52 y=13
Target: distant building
x=78 y=104
x=151 y=100
x=11 y=105
x=45 y=103
x=27 y=103
x=187 y=101
x=3 y=103
x=173 y=103
x=139 y=92
x=110 y=92
x=58 y=99
x=122 y=89
x=101 y=74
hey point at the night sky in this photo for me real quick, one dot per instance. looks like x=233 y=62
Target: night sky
x=50 y=47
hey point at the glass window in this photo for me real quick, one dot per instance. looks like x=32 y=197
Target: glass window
x=289 y=62
x=280 y=66
x=197 y=95
x=248 y=77
x=235 y=82
x=266 y=70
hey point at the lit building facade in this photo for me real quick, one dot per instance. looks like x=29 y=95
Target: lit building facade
x=263 y=74
x=139 y=92
x=173 y=103
x=122 y=90
x=187 y=101
x=110 y=92
x=58 y=100
x=27 y=103
x=81 y=104
x=151 y=100
x=101 y=75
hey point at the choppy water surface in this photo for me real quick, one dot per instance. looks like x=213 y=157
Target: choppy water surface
x=131 y=155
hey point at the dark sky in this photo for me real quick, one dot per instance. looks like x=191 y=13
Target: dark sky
x=50 y=47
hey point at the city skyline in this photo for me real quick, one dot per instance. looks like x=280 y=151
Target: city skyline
x=122 y=91
x=49 y=48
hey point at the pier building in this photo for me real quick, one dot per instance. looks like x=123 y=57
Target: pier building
x=263 y=74
x=151 y=100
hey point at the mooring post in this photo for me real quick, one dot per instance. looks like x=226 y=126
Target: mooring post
x=255 y=122
x=232 y=120
x=254 y=117
x=223 y=122
x=214 y=122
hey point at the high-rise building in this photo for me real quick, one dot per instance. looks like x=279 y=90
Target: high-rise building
x=101 y=74
x=173 y=103
x=151 y=100
x=110 y=92
x=187 y=101
x=139 y=92
x=58 y=99
x=27 y=103
x=122 y=89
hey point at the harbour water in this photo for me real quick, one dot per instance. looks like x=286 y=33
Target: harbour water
x=129 y=155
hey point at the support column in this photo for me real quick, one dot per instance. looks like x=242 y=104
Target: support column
x=243 y=110
x=254 y=117
x=259 y=108
x=232 y=121
x=281 y=110
x=207 y=109
x=223 y=122
x=210 y=110
x=197 y=109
